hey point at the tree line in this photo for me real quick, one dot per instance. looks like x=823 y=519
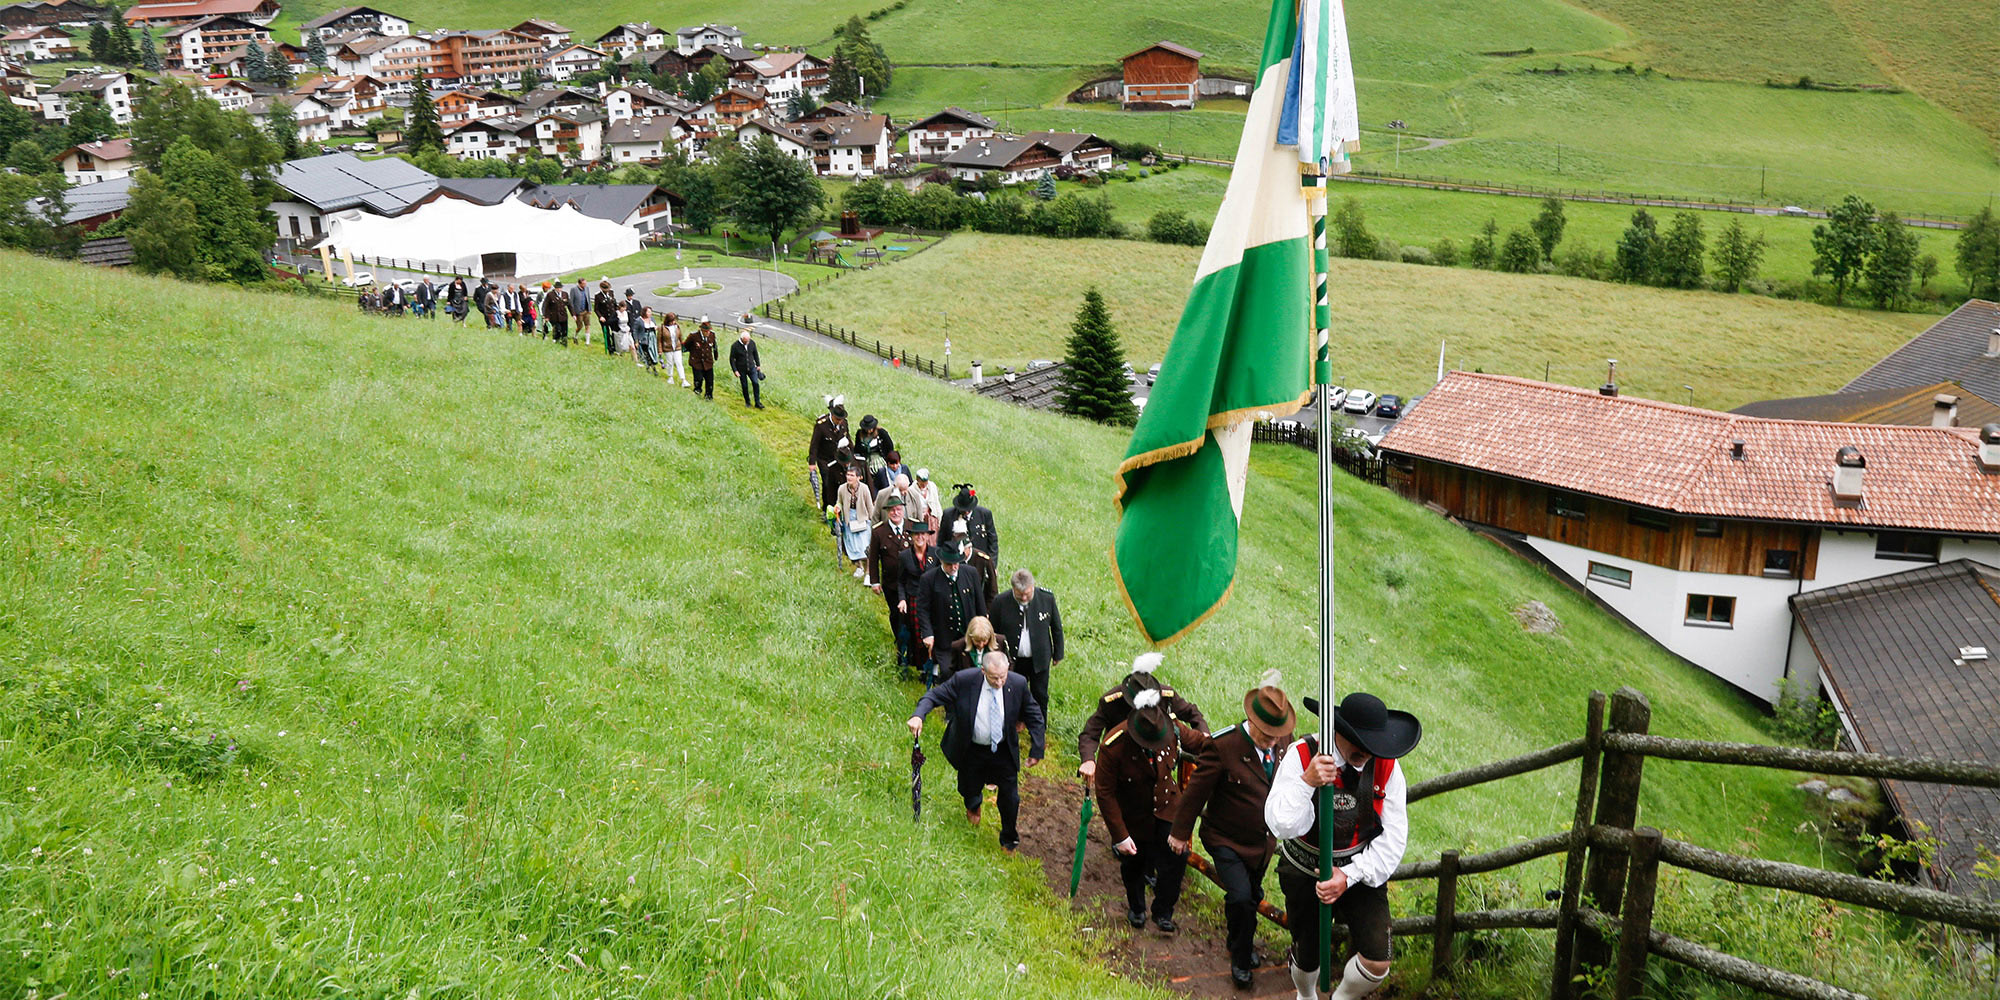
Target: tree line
x=1859 y=248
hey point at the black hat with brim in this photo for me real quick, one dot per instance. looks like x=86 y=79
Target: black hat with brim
x=1151 y=727
x=949 y=555
x=964 y=500
x=1372 y=726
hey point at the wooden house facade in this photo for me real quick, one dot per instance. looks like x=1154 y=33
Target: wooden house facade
x=1162 y=75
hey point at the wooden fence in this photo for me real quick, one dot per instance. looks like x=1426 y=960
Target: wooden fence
x=1614 y=864
x=1361 y=464
x=900 y=357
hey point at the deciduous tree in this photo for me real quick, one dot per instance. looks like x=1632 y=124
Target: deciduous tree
x=1638 y=248
x=1521 y=254
x=1976 y=257
x=1678 y=263
x=1737 y=254
x=1893 y=264
x=1485 y=246
x=1843 y=243
x=770 y=192
x=1093 y=377
x=1548 y=226
x=1350 y=230
x=197 y=219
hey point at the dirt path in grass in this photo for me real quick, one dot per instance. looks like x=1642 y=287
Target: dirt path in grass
x=1192 y=962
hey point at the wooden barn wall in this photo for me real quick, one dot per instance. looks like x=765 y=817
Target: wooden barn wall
x=1160 y=66
x=1606 y=526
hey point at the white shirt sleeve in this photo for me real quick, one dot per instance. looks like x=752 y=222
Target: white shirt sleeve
x=1379 y=859
x=1288 y=810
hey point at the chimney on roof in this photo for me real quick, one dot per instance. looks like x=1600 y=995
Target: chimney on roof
x=1993 y=343
x=1610 y=386
x=1736 y=449
x=1944 y=410
x=1848 y=465
x=1989 y=448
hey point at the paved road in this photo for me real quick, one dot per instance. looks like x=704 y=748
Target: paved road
x=743 y=290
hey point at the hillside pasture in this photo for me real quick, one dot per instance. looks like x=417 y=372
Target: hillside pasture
x=1011 y=299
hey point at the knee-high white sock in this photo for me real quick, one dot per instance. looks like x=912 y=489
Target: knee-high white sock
x=1307 y=983
x=1356 y=982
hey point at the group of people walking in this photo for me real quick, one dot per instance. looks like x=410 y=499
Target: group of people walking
x=565 y=314
x=1161 y=775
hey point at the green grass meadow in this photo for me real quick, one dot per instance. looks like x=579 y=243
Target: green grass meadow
x=360 y=657
x=1013 y=298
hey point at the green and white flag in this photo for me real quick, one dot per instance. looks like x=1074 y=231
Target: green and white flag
x=1243 y=345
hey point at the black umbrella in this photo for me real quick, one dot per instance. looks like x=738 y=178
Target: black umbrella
x=916 y=778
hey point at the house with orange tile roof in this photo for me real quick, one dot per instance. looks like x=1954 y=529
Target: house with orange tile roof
x=1700 y=528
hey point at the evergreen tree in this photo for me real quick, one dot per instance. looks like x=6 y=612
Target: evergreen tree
x=1093 y=377
x=196 y=219
x=277 y=67
x=283 y=124
x=122 y=50
x=1483 y=249
x=530 y=79
x=1976 y=257
x=1521 y=254
x=859 y=67
x=100 y=41
x=1893 y=264
x=1638 y=248
x=89 y=121
x=1350 y=227
x=256 y=68
x=713 y=78
x=149 y=52
x=1678 y=263
x=1548 y=226
x=1843 y=243
x=1045 y=189
x=769 y=191
x=316 y=50
x=1737 y=255
x=801 y=105
x=423 y=132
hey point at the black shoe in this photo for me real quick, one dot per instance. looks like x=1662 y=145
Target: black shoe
x=1137 y=918
x=1166 y=924
x=1241 y=977
x=1010 y=846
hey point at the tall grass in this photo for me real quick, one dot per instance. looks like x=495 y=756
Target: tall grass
x=1011 y=298
x=529 y=676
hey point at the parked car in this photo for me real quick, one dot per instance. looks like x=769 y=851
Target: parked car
x=363 y=147
x=1390 y=406
x=1793 y=210
x=1360 y=401
x=359 y=279
x=1336 y=397
x=1131 y=376
x=1040 y=363
x=1152 y=374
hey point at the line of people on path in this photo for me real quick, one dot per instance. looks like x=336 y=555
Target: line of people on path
x=1157 y=769
x=550 y=309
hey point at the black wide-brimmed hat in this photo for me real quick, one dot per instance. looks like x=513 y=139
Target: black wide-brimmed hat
x=949 y=555
x=1373 y=726
x=1150 y=724
x=965 y=499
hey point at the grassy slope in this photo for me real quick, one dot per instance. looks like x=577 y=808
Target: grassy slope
x=520 y=630
x=1013 y=297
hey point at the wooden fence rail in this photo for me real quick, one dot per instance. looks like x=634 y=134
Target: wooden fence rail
x=1614 y=863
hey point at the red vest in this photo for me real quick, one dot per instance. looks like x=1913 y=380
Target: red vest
x=1363 y=831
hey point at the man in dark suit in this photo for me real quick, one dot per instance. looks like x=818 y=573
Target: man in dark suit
x=983 y=709
x=885 y=570
x=949 y=597
x=1027 y=617
x=1232 y=777
x=749 y=368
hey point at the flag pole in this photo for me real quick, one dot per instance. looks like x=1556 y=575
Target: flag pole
x=1315 y=192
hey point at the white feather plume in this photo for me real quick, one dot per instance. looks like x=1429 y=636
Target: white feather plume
x=958 y=527
x=1146 y=663
x=841 y=444
x=1146 y=699
x=840 y=400
x=828 y=400
x=1272 y=678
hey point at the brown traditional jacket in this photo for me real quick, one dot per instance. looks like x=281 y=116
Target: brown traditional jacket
x=700 y=347
x=1135 y=784
x=1112 y=710
x=1227 y=791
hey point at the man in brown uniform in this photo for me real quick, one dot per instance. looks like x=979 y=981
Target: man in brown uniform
x=700 y=348
x=1231 y=779
x=823 y=454
x=1138 y=788
x=1116 y=704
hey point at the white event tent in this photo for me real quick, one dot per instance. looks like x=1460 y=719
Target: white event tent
x=511 y=237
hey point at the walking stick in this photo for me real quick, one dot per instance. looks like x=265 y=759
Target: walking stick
x=1082 y=841
x=916 y=779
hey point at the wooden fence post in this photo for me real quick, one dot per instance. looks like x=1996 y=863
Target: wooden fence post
x=1560 y=979
x=1447 y=909
x=1617 y=806
x=1633 y=933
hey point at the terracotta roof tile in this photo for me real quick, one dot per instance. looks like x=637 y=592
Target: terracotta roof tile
x=1677 y=458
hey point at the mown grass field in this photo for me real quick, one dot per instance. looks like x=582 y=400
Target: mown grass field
x=1013 y=298
x=526 y=676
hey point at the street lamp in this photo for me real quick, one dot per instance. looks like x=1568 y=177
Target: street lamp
x=1690 y=390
